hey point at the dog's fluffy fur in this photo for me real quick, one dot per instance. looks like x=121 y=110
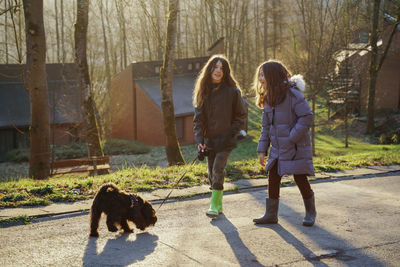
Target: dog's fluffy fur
x=120 y=207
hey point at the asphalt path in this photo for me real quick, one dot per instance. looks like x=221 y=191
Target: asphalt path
x=358 y=224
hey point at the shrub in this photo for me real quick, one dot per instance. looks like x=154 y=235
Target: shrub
x=119 y=146
x=392 y=137
x=18 y=155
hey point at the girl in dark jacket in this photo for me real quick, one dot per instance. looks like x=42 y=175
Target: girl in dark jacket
x=219 y=116
x=285 y=128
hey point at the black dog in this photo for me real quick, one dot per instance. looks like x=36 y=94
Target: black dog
x=120 y=207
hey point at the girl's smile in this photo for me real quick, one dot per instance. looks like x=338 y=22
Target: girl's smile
x=218 y=73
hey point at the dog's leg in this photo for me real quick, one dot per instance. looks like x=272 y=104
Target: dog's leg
x=95 y=215
x=125 y=226
x=111 y=223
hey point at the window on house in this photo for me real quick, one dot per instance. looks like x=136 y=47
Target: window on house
x=157 y=69
x=190 y=66
x=179 y=121
x=197 y=65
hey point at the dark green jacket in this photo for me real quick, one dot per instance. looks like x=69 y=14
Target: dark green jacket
x=218 y=121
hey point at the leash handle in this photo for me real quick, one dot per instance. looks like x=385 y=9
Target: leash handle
x=183 y=175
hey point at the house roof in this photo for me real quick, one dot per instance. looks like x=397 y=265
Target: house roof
x=182 y=90
x=216 y=43
x=146 y=69
x=14 y=99
x=12 y=72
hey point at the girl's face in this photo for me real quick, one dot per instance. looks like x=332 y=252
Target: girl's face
x=218 y=73
x=262 y=80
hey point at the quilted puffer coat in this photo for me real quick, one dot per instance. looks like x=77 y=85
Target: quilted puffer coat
x=286 y=129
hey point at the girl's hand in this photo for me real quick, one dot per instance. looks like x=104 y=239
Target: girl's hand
x=201 y=147
x=261 y=158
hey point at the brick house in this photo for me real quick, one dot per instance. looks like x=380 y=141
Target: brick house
x=136 y=98
x=65 y=105
x=353 y=65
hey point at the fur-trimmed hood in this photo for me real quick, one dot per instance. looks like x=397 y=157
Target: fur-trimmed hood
x=298 y=81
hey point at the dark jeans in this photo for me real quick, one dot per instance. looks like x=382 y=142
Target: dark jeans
x=274 y=183
x=216 y=166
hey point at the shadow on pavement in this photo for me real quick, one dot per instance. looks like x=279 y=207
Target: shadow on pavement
x=324 y=243
x=292 y=240
x=244 y=256
x=119 y=251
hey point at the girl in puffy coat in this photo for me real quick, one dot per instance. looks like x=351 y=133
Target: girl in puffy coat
x=285 y=129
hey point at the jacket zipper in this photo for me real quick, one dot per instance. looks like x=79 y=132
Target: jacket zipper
x=276 y=136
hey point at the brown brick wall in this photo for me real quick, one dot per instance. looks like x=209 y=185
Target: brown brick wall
x=188 y=131
x=122 y=105
x=149 y=120
x=387 y=94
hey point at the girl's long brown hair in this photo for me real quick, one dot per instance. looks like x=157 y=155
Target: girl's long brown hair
x=276 y=76
x=203 y=83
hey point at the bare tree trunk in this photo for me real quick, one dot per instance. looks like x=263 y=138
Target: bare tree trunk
x=256 y=29
x=113 y=52
x=211 y=6
x=57 y=31
x=275 y=5
x=178 y=35
x=266 y=29
x=18 y=41
x=39 y=159
x=186 y=36
x=107 y=115
x=106 y=57
x=5 y=30
x=373 y=70
x=174 y=154
x=89 y=115
x=121 y=21
x=62 y=33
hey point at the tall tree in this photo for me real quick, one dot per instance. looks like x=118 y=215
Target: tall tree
x=39 y=159
x=373 y=72
x=318 y=42
x=62 y=33
x=89 y=113
x=374 y=64
x=265 y=11
x=5 y=31
x=57 y=31
x=122 y=26
x=174 y=154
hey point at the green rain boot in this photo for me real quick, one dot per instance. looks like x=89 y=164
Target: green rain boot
x=219 y=203
x=215 y=196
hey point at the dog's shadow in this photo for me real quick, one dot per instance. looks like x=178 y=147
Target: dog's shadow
x=120 y=251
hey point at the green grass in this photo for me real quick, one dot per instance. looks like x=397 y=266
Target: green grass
x=22 y=219
x=243 y=163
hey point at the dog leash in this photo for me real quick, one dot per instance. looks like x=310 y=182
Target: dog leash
x=183 y=175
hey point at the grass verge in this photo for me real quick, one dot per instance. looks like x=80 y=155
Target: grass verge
x=19 y=220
